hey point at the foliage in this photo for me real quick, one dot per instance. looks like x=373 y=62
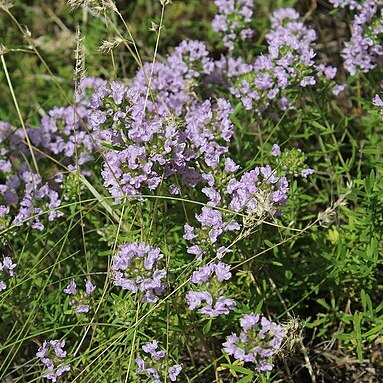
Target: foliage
x=190 y=193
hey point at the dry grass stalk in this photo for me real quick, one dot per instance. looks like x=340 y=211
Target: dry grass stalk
x=79 y=69
x=108 y=46
x=98 y=6
x=6 y=5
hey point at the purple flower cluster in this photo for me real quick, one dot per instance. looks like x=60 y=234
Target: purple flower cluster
x=23 y=192
x=233 y=20
x=213 y=223
x=213 y=220
x=365 y=49
x=66 y=132
x=352 y=4
x=33 y=198
x=51 y=354
x=288 y=63
x=81 y=299
x=154 y=364
x=258 y=341
x=63 y=132
x=151 y=145
x=171 y=82
x=134 y=268
x=259 y=192
x=6 y=267
x=211 y=298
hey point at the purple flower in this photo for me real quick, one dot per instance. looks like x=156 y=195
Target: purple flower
x=213 y=219
x=289 y=62
x=6 y=268
x=213 y=195
x=154 y=365
x=218 y=305
x=364 y=51
x=222 y=271
x=221 y=251
x=233 y=20
x=43 y=350
x=189 y=232
x=152 y=147
x=257 y=343
x=58 y=348
x=230 y=166
x=8 y=265
x=174 y=371
x=195 y=298
x=50 y=353
x=337 y=89
x=258 y=192
x=71 y=288
x=89 y=287
x=134 y=269
x=345 y=3
x=4 y=210
x=202 y=275
x=377 y=101
x=81 y=299
x=306 y=172
x=222 y=306
x=249 y=321
x=328 y=71
x=82 y=309
x=276 y=150
x=195 y=250
x=151 y=348
x=27 y=191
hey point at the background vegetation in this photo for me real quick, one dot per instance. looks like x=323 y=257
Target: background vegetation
x=324 y=280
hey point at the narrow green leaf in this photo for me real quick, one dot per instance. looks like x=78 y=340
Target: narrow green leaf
x=240 y=369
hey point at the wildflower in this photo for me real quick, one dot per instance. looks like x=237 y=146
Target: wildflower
x=364 y=50
x=51 y=354
x=258 y=192
x=27 y=190
x=232 y=20
x=174 y=371
x=189 y=232
x=152 y=146
x=154 y=363
x=213 y=221
x=218 y=305
x=306 y=172
x=221 y=251
x=337 y=89
x=6 y=267
x=276 y=150
x=71 y=288
x=259 y=340
x=230 y=166
x=377 y=101
x=80 y=302
x=327 y=70
x=288 y=62
x=134 y=268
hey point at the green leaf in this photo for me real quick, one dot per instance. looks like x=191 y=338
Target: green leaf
x=357 y=326
x=246 y=379
x=207 y=327
x=240 y=369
